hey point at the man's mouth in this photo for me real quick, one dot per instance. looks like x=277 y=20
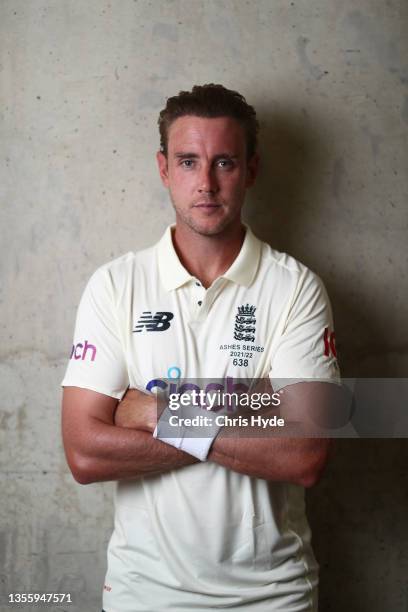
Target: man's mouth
x=207 y=205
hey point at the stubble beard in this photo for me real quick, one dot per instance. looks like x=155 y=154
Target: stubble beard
x=200 y=228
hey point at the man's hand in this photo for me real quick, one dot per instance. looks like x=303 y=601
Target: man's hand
x=137 y=410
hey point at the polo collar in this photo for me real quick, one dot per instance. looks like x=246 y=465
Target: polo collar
x=172 y=273
x=242 y=270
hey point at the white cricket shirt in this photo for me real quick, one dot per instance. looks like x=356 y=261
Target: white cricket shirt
x=204 y=537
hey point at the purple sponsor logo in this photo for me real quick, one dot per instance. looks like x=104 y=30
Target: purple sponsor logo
x=174 y=385
x=83 y=351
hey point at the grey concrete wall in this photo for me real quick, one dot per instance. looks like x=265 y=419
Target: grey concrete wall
x=81 y=87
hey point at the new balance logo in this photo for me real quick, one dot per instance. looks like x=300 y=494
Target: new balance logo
x=158 y=322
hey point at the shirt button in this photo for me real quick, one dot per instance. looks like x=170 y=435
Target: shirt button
x=199 y=303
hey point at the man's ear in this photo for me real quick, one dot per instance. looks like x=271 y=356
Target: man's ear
x=163 y=168
x=252 y=170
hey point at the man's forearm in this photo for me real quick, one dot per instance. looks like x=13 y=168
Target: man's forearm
x=299 y=451
x=116 y=453
x=293 y=458
x=297 y=460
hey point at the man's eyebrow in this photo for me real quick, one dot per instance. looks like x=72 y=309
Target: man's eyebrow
x=181 y=155
x=225 y=156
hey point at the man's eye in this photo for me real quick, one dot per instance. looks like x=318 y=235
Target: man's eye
x=225 y=163
x=187 y=163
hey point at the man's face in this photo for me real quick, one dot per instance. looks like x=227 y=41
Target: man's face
x=206 y=172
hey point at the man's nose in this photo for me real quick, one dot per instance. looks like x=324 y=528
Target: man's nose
x=207 y=181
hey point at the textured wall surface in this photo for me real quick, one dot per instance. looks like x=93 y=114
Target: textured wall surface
x=81 y=86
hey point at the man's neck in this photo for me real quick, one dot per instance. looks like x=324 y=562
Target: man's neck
x=207 y=257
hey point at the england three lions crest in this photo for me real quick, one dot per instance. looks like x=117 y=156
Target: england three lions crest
x=245 y=324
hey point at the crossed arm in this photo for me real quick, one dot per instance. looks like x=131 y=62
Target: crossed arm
x=107 y=440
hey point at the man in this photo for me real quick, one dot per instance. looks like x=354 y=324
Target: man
x=215 y=521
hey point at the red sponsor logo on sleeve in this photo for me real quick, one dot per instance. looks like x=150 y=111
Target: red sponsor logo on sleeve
x=329 y=340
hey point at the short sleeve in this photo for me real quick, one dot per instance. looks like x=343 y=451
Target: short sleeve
x=97 y=359
x=306 y=348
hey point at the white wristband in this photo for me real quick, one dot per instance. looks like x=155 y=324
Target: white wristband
x=181 y=437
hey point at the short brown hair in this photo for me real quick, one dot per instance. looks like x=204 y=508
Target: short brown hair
x=210 y=101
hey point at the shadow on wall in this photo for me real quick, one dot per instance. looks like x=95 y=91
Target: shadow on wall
x=292 y=164
x=357 y=514
x=288 y=206
x=357 y=510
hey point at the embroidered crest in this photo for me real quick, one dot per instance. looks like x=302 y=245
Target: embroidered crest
x=245 y=323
